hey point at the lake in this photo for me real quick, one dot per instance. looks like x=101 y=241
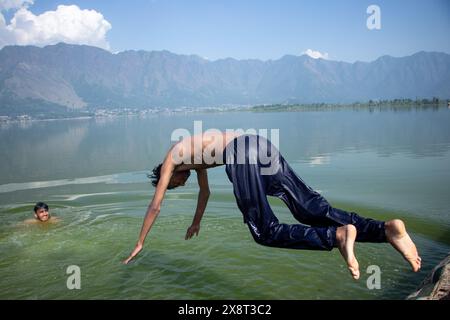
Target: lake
x=381 y=163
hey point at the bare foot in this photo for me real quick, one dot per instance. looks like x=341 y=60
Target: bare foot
x=398 y=237
x=345 y=237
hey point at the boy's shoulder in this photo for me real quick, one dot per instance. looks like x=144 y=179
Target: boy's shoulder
x=54 y=219
x=31 y=221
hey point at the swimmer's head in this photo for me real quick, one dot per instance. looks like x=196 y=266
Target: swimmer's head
x=41 y=212
x=178 y=178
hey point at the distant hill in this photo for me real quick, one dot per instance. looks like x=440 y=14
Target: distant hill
x=72 y=77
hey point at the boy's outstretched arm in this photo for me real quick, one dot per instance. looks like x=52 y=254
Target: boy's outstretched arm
x=202 y=201
x=155 y=205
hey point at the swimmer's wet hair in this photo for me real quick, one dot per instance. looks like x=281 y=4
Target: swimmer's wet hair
x=155 y=175
x=40 y=205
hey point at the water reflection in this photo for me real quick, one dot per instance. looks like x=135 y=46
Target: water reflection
x=52 y=150
x=319 y=160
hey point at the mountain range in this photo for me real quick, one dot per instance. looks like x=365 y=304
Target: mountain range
x=79 y=77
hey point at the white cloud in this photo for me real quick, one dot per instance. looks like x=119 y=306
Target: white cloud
x=67 y=24
x=316 y=54
x=14 y=4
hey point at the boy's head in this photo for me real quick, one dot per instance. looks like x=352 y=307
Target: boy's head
x=41 y=211
x=178 y=178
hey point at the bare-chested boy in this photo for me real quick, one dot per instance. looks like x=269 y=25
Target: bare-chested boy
x=257 y=170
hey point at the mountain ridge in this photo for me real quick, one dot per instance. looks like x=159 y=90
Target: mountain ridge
x=77 y=77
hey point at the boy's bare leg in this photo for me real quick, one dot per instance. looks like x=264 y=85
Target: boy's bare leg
x=398 y=237
x=345 y=237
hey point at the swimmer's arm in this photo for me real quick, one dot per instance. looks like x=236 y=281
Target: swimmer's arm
x=202 y=201
x=155 y=205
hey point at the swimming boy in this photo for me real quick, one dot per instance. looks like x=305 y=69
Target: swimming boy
x=41 y=214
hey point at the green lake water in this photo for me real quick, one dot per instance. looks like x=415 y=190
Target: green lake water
x=382 y=163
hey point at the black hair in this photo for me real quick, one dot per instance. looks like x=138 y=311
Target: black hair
x=40 y=205
x=155 y=175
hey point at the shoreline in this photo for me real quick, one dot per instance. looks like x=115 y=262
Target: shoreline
x=314 y=107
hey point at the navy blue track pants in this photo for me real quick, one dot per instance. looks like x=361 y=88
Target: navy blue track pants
x=257 y=170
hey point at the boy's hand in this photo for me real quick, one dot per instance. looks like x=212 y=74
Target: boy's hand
x=193 y=229
x=135 y=252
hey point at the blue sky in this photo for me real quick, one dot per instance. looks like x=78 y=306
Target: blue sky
x=269 y=29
